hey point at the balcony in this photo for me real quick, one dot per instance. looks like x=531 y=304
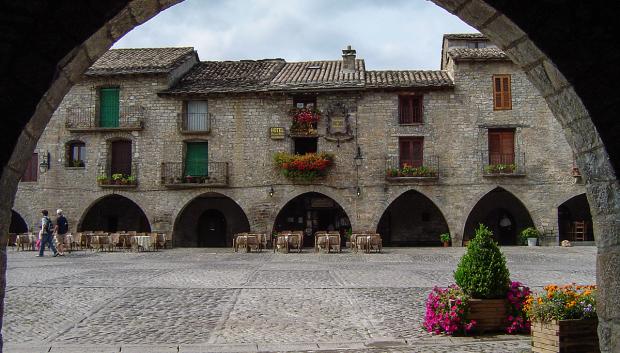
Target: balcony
x=80 y=119
x=195 y=123
x=173 y=176
x=428 y=171
x=109 y=180
x=503 y=165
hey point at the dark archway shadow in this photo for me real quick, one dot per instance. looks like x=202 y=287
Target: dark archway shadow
x=209 y=220
x=412 y=220
x=575 y=209
x=503 y=213
x=312 y=212
x=18 y=224
x=114 y=213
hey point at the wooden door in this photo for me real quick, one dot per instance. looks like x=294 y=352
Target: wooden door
x=501 y=146
x=411 y=151
x=121 y=157
x=109 y=107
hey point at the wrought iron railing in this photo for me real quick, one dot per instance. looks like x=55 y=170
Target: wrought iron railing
x=86 y=118
x=195 y=122
x=173 y=175
x=503 y=164
x=428 y=169
x=109 y=177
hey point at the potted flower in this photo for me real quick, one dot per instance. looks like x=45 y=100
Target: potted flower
x=102 y=179
x=530 y=236
x=304 y=121
x=483 y=275
x=131 y=180
x=445 y=239
x=306 y=168
x=117 y=178
x=447 y=311
x=564 y=319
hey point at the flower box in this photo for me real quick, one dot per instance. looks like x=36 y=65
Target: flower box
x=563 y=336
x=489 y=314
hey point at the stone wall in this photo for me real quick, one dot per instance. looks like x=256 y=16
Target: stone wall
x=454 y=130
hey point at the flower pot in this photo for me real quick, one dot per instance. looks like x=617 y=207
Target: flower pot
x=446 y=244
x=531 y=241
x=559 y=336
x=489 y=314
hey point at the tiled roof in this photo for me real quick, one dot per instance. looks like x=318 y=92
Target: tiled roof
x=139 y=61
x=408 y=79
x=318 y=75
x=228 y=76
x=464 y=36
x=460 y=54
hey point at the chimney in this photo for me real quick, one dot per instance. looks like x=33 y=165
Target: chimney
x=348 y=59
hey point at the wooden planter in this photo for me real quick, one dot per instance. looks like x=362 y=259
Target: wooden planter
x=490 y=314
x=564 y=336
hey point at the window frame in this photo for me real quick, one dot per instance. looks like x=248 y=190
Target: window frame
x=305 y=100
x=185 y=126
x=502 y=98
x=417 y=112
x=501 y=134
x=412 y=140
x=70 y=156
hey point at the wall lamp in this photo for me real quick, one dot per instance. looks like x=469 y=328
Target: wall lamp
x=44 y=166
x=359 y=191
x=358 y=157
x=271 y=191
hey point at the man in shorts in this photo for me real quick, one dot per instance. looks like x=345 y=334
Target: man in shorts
x=61 y=229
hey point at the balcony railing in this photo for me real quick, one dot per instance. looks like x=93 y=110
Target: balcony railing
x=195 y=123
x=496 y=164
x=85 y=119
x=109 y=179
x=173 y=175
x=429 y=170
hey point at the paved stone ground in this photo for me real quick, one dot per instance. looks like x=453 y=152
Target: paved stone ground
x=213 y=300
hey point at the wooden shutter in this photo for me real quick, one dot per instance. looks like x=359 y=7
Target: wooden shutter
x=410 y=109
x=109 y=107
x=411 y=151
x=197 y=159
x=501 y=146
x=32 y=169
x=121 y=158
x=502 y=97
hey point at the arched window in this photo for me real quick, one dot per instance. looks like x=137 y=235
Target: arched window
x=76 y=154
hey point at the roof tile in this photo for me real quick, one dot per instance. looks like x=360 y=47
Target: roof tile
x=139 y=61
x=460 y=54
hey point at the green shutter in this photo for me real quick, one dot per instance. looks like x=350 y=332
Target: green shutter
x=197 y=159
x=108 y=107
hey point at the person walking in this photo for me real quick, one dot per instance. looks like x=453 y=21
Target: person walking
x=61 y=228
x=47 y=229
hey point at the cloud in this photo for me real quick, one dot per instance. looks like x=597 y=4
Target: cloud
x=387 y=34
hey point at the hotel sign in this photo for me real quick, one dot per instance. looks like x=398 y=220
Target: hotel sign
x=276 y=133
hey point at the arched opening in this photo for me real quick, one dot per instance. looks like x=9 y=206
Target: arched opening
x=412 y=220
x=503 y=213
x=209 y=220
x=114 y=213
x=312 y=212
x=18 y=225
x=570 y=214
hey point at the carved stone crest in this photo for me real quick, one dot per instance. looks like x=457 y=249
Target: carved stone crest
x=338 y=123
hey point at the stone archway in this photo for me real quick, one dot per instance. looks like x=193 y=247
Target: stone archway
x=575 y=209
x=113 y=213
x=18 y=224
x=209 y=220
x=311 y=212
x=549 y=48
x=412 y=219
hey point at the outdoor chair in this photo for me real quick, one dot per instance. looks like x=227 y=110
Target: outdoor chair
x=580 y=230
x=25 y=241
x=320 y=241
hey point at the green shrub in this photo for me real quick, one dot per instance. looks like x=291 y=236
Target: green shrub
x=529 y=232
x=482 y=271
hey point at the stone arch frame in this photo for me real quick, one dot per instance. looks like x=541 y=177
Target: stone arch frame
x=99 y=197
x=602 y=186
x=186 y=201
x=565 y=198
x=479 y=196
x=325 y=191
x=376 y=218
x=23 y=220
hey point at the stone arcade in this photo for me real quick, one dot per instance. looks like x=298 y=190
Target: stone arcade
x=193 y=143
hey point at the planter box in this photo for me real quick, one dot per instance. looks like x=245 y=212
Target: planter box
x=490 y=314
x=564 y=336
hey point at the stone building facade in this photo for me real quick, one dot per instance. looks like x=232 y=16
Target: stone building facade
x=458 y=120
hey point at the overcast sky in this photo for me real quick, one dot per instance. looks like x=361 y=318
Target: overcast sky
x=388 y=34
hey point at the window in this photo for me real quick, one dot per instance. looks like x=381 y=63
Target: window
x=410 y=109
x=197 y=116
x=476 y=45
x=32 y=169
x=109 y=107
x=411 y=151
x=121 y=157
x=501 y=146
x=306 y=145
x=502 y=99
x=197 y=159
x=305 y=102
x=76 y=154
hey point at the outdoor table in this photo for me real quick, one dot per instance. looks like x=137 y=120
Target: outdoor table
x=288 y=238
x=100 y=240
x=143 y=241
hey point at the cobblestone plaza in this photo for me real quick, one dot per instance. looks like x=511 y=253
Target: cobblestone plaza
x=214 y=300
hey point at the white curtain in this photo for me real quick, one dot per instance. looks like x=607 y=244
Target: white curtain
x=197 y=116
